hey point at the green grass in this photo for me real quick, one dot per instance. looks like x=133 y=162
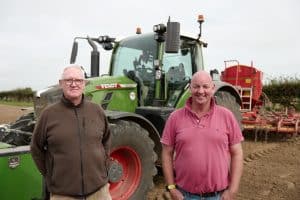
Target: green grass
x=17 y=103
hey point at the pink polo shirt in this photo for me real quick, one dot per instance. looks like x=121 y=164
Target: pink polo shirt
x=202 y=147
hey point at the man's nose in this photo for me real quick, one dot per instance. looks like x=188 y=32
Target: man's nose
x=200 y=89
x=73 y=84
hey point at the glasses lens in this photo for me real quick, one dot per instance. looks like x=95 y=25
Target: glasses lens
x=78 y=81
x=75 y=81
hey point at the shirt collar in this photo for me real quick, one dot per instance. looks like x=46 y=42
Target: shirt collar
x=188 y=106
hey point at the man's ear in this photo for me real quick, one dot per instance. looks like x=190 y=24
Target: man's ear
x=213 y=87
x=60 y=82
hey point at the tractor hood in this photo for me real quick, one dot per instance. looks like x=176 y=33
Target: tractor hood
x=113 y=93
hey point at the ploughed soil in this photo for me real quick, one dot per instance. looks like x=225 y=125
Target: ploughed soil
x=11 y=113
x=271 y=168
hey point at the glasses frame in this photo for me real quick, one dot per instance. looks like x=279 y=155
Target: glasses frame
x=76 y=81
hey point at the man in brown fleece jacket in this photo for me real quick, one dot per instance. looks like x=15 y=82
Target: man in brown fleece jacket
x=71 y=143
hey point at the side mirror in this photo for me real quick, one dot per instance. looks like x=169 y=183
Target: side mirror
x=74 y=52
x=172 y=37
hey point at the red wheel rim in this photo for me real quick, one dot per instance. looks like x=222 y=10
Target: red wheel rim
x=132 y=173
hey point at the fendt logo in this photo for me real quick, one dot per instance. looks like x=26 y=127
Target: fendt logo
x=108 y=86
x=114 y=86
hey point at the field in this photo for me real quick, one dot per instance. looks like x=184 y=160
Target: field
x=271 y=170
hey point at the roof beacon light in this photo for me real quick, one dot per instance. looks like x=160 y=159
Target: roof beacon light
x=138 y=30
x=200 y=18
x=200 y=21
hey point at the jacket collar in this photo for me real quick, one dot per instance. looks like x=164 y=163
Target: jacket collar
x=68 y=103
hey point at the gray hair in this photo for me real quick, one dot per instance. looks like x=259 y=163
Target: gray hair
x=73 y=66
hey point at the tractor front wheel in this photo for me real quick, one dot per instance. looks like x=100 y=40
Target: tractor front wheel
x=132 y=161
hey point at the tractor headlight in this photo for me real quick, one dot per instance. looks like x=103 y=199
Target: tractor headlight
x=132 y=96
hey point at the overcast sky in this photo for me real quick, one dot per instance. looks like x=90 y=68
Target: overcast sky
x=36 y=36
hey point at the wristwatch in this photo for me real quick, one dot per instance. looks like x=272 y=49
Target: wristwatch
x=170 y=187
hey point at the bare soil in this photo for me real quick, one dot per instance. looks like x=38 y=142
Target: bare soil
x=271 y=169
x=11 y=113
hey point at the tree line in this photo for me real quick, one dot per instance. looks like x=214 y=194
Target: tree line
x=19 y=95
x=284 y=91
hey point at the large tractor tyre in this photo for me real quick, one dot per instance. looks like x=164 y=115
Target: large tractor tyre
x=227 y=100
x=132 y=161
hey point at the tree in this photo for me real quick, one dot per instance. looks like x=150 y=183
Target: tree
x=285 y=91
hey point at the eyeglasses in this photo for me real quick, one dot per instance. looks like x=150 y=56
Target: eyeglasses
x=69 y=82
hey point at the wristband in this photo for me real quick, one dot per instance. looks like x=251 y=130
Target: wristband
x=170 y=187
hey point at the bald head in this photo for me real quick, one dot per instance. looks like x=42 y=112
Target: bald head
x=202 y=76
x=202 y=90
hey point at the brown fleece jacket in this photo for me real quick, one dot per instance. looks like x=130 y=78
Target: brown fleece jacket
x=70 y=146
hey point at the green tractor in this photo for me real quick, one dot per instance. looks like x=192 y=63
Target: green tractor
x=148 y=78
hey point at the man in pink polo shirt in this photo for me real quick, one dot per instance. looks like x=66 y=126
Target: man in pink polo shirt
x=202 y=155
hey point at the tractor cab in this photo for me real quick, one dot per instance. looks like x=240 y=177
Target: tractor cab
x=161 y=77
x=161 y=64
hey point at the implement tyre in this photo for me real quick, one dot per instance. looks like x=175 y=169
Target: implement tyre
x=132 y=161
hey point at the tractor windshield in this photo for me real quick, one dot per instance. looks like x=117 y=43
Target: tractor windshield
x=134 y=57
x=135 y=53
x=178 y=67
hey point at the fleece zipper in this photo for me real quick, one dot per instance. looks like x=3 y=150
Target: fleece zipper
x=80 y=149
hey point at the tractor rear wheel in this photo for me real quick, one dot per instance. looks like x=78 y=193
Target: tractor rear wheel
x=132 y=161
x=227 y=100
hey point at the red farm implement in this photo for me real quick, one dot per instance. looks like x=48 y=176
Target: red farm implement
x=256 y=118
